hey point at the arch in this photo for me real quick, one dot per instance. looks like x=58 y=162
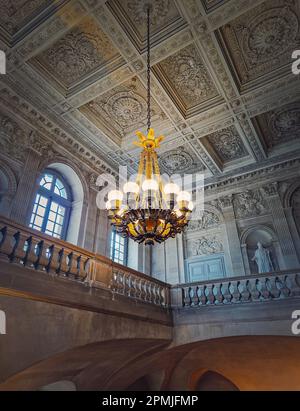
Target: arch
x=267 y=236
x=8 y=188
x=289 y=194
x=80 y=193
x=245 y=234
x=210 y=380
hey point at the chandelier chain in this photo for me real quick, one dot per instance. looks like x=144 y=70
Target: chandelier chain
x=148 y=72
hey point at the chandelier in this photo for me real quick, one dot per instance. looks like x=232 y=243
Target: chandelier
x=148 y=210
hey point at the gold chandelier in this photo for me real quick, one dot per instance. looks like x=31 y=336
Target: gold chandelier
x=148 y=210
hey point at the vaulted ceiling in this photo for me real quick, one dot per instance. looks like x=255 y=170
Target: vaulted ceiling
x=223 y=92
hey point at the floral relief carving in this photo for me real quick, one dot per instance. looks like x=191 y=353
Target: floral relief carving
x=189 y=76
x=281 y=125
x=263 y=38
x=179 y=160
x=15 y=13
x=205 y=245
x=249 y=204
x=82 y=50
x=208 y=220
x=165 y=20
x=228 y=144
x=13 y=140
x=125 y=107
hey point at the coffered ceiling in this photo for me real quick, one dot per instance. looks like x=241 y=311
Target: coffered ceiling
x=222 y=92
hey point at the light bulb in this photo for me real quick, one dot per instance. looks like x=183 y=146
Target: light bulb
x=150 y=184
x=171 y=188
x=190 y=206
x=131 y=187
x=108 y=205
x=115 y=195
x=183 y=196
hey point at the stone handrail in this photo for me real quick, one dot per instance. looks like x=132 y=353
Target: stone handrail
x=38 y=251
x=237 y=290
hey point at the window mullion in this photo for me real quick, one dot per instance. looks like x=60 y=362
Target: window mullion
x=46 y=216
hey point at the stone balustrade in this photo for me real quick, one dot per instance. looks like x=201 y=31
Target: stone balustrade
x=238 y=290
x=38 y=251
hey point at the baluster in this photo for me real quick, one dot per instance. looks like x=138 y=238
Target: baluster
x=194 y=296
x=218 y=294
x=293 y=280
x=64 y=262
x=163 y=296
x=45 y=255
x=236 y=296
x=38 y=251
x=265 y=293
x=285 y=290
x=202 y=295
x=186 y=297
x=32 y=253
x=143 y=290
x=148 y=288
x=209 y=294
x=8 y=241
x=253 y=289
x=153 y=296
x=139 y=289
x=243 y=289
x=83 y=267
x=72 y=264
x=272 y=287
x=54 y=260
x=226 y=293
x=21 y=247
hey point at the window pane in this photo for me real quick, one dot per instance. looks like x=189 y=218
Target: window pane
x=46 y=181
x=52 y=216
x=41 y=211
x=59 y=219
x=57 y=229
x=38 y=221
x=54 y=206
x=61 y=210
x=117 y=250
x=43 y=201
x=50 y=225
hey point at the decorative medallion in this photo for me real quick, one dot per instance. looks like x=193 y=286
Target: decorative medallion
x=280 y=126
x=179 y=161
x=81 y=51
x=227 y=144
x=262 y=39
x=124 y=108
x=132 y=14
x=14 y=14
x=188 y=76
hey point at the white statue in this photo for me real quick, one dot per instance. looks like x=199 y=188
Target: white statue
x=263 y=259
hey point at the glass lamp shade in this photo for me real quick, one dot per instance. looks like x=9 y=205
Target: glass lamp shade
x=150 y=184
x=131 y=187
x=171 y=188
x=108 y=205
x=115 y=195
x=183 y=196
x=191 y=206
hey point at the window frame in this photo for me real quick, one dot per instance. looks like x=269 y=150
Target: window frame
x=53 y=197
x=113 y=249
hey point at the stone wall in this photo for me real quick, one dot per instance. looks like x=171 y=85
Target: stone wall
x=237 y=215
x=238 y=212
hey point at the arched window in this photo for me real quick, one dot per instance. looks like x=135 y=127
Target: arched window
x=118 y=248
x=52 y=205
